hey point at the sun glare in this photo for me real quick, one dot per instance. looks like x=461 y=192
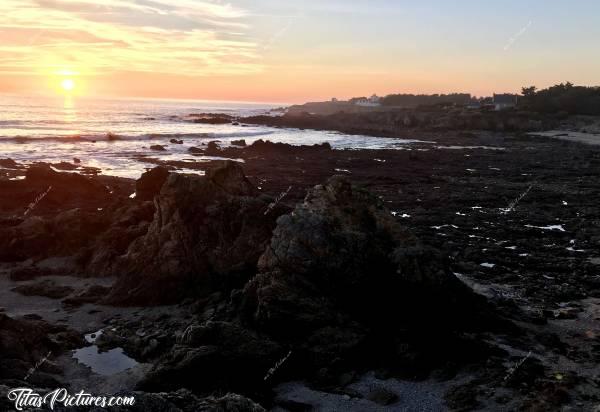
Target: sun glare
x=67 y=85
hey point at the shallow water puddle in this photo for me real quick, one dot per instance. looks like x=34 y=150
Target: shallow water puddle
x=103 y=363
x=403 y=215
x=551 y=227
x=444 y=226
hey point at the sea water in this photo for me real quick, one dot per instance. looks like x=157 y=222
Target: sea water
x=115 y=135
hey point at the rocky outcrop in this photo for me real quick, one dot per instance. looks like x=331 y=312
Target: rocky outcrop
x=207 y=232
x=150 y=183
x=340 y=270
x=339 y=283
x=47 y=288
x=24 y=343
x=215 y=355
x=10 y=164
x=51 y=191
x=241 y=143
x=265 y=148
x=213 y=149
x=209 y=118
x=390 y=122
x=38 y=237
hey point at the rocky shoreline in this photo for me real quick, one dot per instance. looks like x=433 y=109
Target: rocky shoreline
x=470 y=264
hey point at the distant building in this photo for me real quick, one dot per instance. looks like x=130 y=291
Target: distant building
x=334 y=100
x=372 y=101
x=474 y=105
x=505 y=101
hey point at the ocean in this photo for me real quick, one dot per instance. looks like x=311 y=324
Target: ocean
x=43 y=129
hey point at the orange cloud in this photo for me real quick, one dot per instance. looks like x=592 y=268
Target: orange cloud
x=175 y=37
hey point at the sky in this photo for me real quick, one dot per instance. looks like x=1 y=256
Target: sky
x=295 y=51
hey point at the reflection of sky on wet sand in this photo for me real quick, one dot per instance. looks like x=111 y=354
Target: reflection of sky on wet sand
x=104 y=363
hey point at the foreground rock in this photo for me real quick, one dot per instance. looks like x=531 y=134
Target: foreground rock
x=340 y=271
x=340 y=286
x=24 y=343
x=60 y=191
x=52 y=214
x=207 y=233
x=150 y=183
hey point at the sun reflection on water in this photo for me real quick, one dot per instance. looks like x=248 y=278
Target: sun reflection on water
x=69 y=115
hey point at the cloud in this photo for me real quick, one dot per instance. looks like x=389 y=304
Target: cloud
x=184 y=37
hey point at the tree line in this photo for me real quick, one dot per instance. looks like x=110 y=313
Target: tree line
x=564 y=97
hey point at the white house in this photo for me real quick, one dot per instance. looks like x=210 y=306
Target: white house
x=373 y=101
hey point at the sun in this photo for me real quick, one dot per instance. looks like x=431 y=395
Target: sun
x=68 y=85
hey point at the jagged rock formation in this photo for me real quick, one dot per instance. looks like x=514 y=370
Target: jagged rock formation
x=24 y=342
x=54 y=214
x=395 y=122
x=341 y=248
x=341 y=275
x=340 y=283
x=207 y=232
x=150 y=183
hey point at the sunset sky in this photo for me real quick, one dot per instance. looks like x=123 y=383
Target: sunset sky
x=293 y=51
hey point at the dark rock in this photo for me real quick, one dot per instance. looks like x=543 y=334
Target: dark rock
x=462 y=398
x=24 y=343
x=213 y=149
x=42 y=237
x=90 y=295
x=340 y=268
x=150 y=183
x=393 y=121
x=76 y=160
x=158 y=148
x=208 y=232
x=343 y=242
x=525 y=372
x=196 y=150
x=215 y=355
x=10 y=164
x=65 y=166
x=241 y=142
x=175 y=141
x=28 y=273
x=101 y=254
x=46 y=288
x=382 y=396
x=67 y=189
x=210 y=118
x=266 y=148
